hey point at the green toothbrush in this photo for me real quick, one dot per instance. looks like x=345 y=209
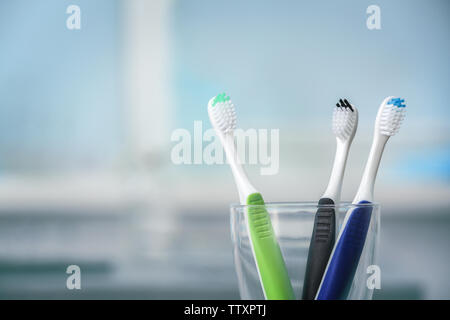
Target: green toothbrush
x=269 y=260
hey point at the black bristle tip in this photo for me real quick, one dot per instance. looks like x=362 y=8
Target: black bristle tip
x=348 y=104
x=344 y=104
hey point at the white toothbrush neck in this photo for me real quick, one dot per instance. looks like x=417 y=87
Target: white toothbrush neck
x=245 y=188
x=333 y=191
x=365 y=191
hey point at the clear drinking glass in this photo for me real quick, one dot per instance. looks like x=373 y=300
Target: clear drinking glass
x=293 y=225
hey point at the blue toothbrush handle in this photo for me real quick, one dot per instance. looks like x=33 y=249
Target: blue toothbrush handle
x=342 y=266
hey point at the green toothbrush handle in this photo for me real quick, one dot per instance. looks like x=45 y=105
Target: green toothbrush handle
x=272 y=269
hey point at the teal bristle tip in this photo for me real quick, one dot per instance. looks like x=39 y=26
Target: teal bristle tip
x=220 y=98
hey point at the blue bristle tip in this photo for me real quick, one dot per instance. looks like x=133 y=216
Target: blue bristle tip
x=398 y=102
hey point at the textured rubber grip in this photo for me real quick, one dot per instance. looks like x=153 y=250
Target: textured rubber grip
x=322 y=241
x=269 y=260
x=344 y=261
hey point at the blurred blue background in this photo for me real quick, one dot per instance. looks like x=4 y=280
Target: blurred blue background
x=86 y=118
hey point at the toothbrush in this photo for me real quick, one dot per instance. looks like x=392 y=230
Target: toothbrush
x=345 y=123
x=345 y=257
x=269 y=261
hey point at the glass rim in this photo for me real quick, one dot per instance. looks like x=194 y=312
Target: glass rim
x=305 y=204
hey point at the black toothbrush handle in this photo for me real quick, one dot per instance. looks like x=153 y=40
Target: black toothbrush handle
x=320 y=248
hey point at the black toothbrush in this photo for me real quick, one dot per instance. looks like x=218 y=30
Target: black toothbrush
x=345 y=122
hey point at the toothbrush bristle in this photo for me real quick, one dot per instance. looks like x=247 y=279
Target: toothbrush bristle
x=222 y=113
x=392 y=116
x=344 y=119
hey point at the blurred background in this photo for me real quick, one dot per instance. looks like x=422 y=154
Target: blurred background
x=86 y=119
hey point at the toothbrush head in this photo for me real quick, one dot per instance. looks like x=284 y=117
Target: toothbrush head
x=390 y=116
x=222 y=113
x=345 y=120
